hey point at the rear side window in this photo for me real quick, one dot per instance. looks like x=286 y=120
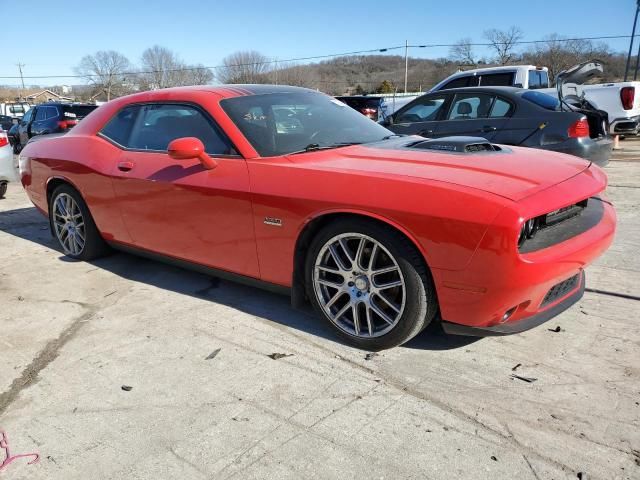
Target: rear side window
x=497 y=80
x=160 y=124
x=500 y=108
x=468 y=106
x=41 y=114
x=77 y=111
x=120 y=126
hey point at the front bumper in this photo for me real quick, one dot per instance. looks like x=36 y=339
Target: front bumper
x=522 y=325
x=502 y=281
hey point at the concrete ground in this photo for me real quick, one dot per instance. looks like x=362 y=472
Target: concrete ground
x=73 y=334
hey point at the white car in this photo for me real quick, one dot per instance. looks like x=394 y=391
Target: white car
x=7 y=163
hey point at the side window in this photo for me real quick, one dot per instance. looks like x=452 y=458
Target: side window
x=468 y=106
x=497 y=80
x=160 y=124
x=27 y=116
x=534 y=79
x=120 y=126
x=538 y=79
x=501 y=108
x=457 y=83
x=425 y=110
x=41 y=114
x=52 y=112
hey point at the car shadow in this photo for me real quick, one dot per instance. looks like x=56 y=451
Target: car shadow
x=29 y=224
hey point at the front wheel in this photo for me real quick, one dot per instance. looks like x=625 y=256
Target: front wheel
x=370 y=283
x=73 y=225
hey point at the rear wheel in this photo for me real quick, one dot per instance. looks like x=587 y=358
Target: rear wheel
x=73 y=225
x=3 y=189
x=370 y=283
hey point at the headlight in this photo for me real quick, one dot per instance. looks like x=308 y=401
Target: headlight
x=528 y=230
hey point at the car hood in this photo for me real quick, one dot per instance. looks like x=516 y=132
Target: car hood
x=513 y=173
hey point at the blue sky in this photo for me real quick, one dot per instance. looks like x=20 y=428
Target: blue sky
x=60 y=33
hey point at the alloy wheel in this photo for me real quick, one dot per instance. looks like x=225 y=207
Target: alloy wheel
x=68 y=224
x=359 y=285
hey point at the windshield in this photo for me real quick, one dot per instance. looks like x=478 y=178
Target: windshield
x=282 y=123
x=542 y=100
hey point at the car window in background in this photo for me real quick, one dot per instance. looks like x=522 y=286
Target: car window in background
x=457 y=83
x=27 y=116
x=77 y=111
x=497 y=79
x=323 y=121
x=16 y=109
x=161 y=124
x=120 y=126
x=468 y=106
x=41 y=114
x=51 y=112
x=424 y=111
x=500 y=108
x=538 y=79
x=541 y=99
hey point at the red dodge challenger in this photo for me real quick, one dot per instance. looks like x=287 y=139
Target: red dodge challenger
x=289 y=188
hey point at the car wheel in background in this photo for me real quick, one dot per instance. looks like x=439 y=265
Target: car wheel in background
x=370 y=283
x=3 y=189
x=73 y=226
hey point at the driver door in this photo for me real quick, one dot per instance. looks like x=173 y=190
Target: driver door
x=178 y=208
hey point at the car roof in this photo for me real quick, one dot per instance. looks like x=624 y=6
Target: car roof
x=225 y=91
x=68 y=104
x=497 y=89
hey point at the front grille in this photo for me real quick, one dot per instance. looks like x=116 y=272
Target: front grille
x=560 y=290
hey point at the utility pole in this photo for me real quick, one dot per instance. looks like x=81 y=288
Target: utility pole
x=406 y=61
x=20 y=65
x=633 y=33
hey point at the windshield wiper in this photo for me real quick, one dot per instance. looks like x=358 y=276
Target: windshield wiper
x=393 y=135
x=314 y=147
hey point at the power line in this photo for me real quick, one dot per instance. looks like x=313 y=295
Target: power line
x=320 y=57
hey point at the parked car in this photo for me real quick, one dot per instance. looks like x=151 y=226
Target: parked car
x=619 y=100
x=7 y=164
x=508 y=116
x=14 y=141
x=370 y=106
x=53 y=117
x=378 y=232
x=6 y=122
x=14 y=109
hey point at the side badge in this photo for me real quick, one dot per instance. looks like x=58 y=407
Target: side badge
x=276 y=222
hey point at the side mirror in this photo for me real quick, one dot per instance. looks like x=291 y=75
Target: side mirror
x=388 y=121
x=187 y=148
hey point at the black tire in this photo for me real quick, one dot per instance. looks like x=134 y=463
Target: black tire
x=421 y=303
x=94 y=245
x=3 y=189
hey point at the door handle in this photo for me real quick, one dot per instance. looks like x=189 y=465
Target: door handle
x=488 y=128
x=125 y=166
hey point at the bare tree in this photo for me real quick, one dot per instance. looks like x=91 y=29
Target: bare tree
x=558 y=53
x=504 y=42
x=293 y=74
x=244 y=67
x=198 y=75
x=161 y=68
x=462 y=52
x=106 y=70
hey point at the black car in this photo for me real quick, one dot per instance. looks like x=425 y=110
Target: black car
x=53 y=117
x=506 y=115
x=368 y=105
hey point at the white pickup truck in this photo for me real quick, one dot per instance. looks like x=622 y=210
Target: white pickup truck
x=620 y=101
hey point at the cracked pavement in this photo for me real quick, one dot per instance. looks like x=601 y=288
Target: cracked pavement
x=72 y=334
